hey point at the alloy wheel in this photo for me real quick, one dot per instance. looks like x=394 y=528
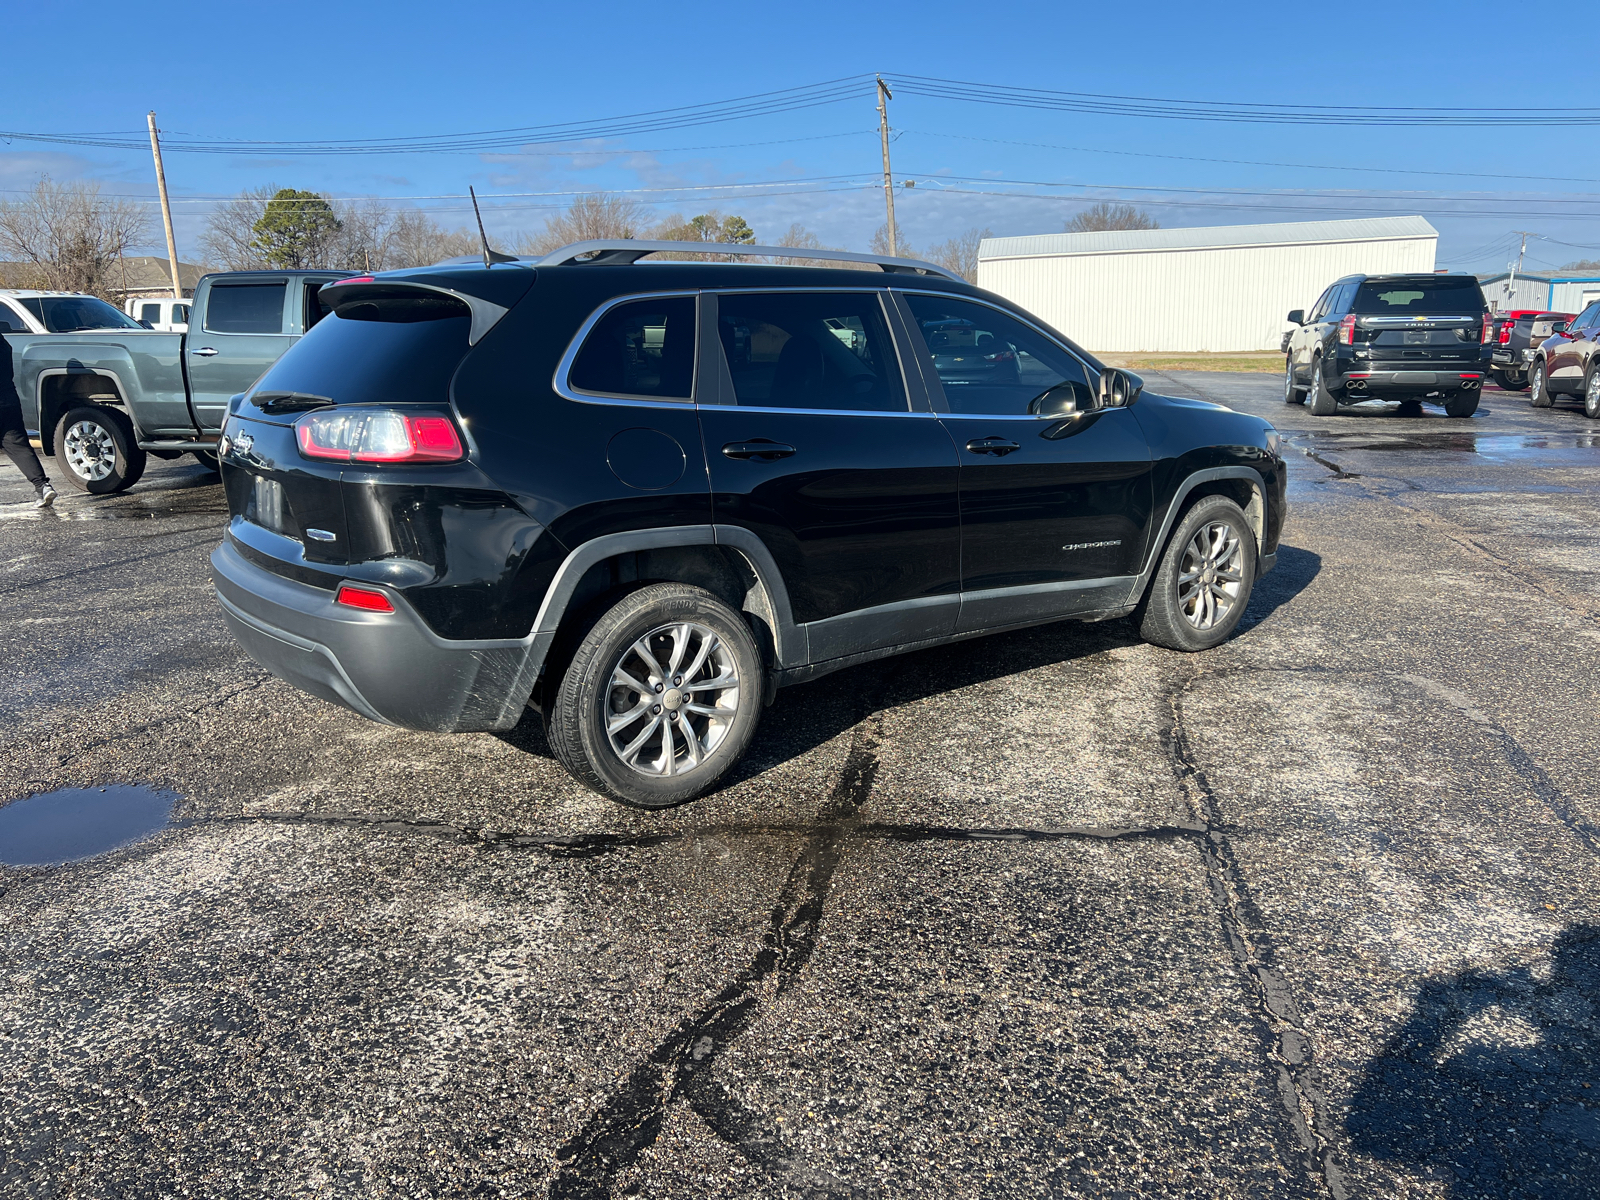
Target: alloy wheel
x=672 y=699
x=1211 y=575
x=1288 y=381
x=90 y=451
x=1591 y=394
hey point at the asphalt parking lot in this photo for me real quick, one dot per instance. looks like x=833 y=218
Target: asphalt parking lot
x=1054 y=913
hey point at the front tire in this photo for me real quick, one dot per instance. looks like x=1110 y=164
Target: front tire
x=659 y=699
x=1203 y=584
x=1323 y=402
x=1591 y=392
x=1291 y=393
x=1539 y=386
x=97 y=450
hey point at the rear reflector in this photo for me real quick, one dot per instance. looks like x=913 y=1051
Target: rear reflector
x=378 y=436
x=365 y=599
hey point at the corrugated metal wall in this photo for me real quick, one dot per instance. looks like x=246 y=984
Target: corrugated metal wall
x=1210 y=299
x=1572 y=295
x=1528 y=291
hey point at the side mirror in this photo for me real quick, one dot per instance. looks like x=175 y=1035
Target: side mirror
x=147 y=324
x=1067 y=399
x=1297 y=315
x=1119 y=388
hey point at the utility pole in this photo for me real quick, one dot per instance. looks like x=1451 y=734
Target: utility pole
x=166 y=208
x=1511 y=280
x=884 y=96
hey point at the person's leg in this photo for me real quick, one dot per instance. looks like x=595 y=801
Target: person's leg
x=14 y=440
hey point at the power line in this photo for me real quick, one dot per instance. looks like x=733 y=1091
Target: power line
x=1236 y=111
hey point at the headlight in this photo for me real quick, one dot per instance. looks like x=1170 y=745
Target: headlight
x=1274 y=442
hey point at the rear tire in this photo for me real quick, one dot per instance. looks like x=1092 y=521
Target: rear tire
x=1461 y=404
x=1291 y=393
x=652 y=654
x=1512 y=380
x=1323 y=402
x=97 y=451
x=1591 y=392
x=1189 y=608
x=1539 y=386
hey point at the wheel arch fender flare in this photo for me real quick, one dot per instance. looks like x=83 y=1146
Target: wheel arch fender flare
x=54 y=400
x=1255 y=512
x=789 y=641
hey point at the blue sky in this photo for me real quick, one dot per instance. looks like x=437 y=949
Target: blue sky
x=402 y=69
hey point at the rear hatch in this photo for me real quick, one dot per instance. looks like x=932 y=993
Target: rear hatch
x=388 y=345
x=1420 y=319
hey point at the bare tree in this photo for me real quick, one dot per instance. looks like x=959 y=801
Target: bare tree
x=70 y=236
x=880 y=242
x=415 y=240
x=1104 y=216
x=960 y=254
x=230 y=236
x=597 y=215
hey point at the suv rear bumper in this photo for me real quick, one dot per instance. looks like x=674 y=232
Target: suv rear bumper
x=1379 y=381
x=389 y=667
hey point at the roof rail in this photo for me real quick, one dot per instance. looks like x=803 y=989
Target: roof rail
x=610 y=251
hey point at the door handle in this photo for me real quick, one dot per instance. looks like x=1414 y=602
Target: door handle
x=203 y=352
x=761 y=450
x=997 y=446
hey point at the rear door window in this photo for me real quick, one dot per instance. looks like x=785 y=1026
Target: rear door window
x=1421 y=296
x=810 y=350
x=989 y=363
x=246 y=308
x=151 y=313
x=643 y=348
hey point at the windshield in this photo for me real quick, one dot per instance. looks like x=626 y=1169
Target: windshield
x=1421 y=295
x=69 y=314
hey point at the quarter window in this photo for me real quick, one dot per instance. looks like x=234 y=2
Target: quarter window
x=810 y=350
x=246 y=308
x=642 y=348
x=991 y=364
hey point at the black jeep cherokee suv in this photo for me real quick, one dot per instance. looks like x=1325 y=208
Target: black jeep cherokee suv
x=640 y=498
x=1393 y=337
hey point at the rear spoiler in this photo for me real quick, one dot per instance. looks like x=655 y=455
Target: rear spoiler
x=488 y=295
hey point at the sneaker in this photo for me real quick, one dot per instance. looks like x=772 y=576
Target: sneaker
x=47 y=496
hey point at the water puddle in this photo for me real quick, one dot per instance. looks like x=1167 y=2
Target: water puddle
x=77 y=823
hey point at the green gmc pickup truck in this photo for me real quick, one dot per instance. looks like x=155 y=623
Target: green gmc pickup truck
x=101 y=391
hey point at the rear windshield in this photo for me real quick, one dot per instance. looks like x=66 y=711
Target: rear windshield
x=386 y=350
x=1424 y=295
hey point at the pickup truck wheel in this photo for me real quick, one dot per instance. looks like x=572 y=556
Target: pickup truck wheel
x=1512 y=379
x=660 y=698
x=1460 y=404
x=1539 y=386
x=1591 y=392
x=1291 y=393
x=98 y=450
x=1323 y=402
x=1203 y=584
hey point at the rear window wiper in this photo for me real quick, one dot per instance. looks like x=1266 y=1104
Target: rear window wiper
x=289 y=402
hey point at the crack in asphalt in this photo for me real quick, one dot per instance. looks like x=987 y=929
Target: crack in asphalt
x=1291 y=1047
x=680 y=1065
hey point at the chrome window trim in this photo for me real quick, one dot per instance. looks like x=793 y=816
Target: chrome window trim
x=833 y=412
x=1090 y=374
x=564 y=388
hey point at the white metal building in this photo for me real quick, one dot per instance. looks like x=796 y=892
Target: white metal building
x=1553 y=293
x=1216 y=288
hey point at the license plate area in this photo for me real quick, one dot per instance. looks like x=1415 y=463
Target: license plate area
x=267 y=507
x=1418 y=337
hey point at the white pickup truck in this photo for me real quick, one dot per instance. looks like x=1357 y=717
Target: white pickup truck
x=163 y=314
x=101 y=391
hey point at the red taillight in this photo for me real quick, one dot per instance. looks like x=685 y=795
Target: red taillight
x=354 y=279
x=1488 y=329
x=1347 y=330
x=365 y=599
x=1505 y=333
x=378 y=436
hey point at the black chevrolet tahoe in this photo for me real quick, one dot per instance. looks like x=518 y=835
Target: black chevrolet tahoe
x=1392 y=337
x=640 y=497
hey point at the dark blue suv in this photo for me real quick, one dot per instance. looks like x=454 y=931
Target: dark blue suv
x=642 y=496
